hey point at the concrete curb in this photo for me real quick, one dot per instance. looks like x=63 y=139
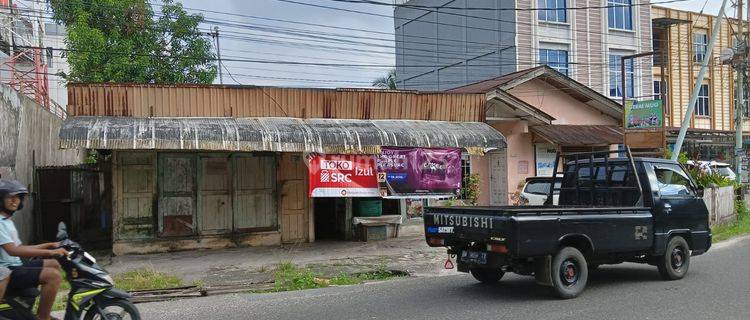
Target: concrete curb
x=730 y=242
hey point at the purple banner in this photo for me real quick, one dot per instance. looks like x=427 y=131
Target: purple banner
x=419 y=172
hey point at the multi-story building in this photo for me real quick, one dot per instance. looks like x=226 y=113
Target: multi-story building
x=54 y=40
x=442 y=44
x=25 y=59
x=680 y=42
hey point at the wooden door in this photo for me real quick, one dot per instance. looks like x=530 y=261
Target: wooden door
x=293 y=198
x=176 y=194
x=254 y=199
x=137 y=190
x=214 y=198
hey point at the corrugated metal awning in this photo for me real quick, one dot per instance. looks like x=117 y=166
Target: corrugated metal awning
x=274 y=134
x=583 y=135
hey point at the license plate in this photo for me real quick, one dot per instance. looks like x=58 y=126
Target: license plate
x=477 y=257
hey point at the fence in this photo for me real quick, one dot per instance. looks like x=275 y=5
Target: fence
x=720 y=204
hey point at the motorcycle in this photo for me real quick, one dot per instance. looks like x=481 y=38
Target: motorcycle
x=92 y=294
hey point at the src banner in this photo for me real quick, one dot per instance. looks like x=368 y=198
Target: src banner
x=419 y=172
x=333 y=175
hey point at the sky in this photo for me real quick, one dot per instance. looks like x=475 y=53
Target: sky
x=368 y=39
x=243 y=42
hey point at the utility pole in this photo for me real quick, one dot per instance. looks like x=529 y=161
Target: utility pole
x=698 y=83
x=215 y=34
x=740 y=102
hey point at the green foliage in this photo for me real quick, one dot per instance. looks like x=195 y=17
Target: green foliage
x=146 y=279
x=92 y=158
x=387 y=81
x=471 y=189
x=740 y=227
x=706 y=180
x=682 y=158
x=123 y=41
x=290 y=277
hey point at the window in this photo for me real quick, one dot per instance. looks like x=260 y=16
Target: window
x=658 y=90
x=702 y=105
x=700 y=45
x=555 y=10
x=557 y=59
x=541 y=187
x=672 y=181
x=620 y=14
x=746 y=110
x=615 y=76
x=465 y=173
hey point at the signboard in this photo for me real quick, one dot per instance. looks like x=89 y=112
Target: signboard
x=419 y=172
x=545 y=159
x=646 y=114
x=334 y=175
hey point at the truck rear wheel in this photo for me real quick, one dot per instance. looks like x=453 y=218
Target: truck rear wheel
x=569 y=273
x=674 y=264
x=487 y=275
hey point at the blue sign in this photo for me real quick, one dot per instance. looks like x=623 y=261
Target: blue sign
x=396 y=177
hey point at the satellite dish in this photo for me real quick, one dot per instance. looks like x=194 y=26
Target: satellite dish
x=726 y=55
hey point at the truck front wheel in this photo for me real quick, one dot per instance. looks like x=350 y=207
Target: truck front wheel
x=674 y=264
x=487 y=275
x=570 y=273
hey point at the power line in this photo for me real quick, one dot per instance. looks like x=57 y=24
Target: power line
x=413 y=6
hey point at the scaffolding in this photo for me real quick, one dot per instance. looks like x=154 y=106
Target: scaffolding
x=23 y=62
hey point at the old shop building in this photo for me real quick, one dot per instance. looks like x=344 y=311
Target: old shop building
x=541 y=111
x=221 y=166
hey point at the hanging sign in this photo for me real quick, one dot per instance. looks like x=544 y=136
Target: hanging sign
x=419 y=172
x=646 y=114
x=334 y=175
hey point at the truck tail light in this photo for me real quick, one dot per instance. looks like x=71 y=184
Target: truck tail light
x=497 y=248
x=434 y=241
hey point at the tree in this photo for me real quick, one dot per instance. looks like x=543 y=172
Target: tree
x=388 y=81
x=124 y=41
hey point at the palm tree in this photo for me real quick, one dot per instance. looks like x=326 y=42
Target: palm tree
x=387 y=82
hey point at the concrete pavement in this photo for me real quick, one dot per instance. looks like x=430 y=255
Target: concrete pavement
x=717 y=287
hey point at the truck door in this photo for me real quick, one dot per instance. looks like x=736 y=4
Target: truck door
x=677 y=206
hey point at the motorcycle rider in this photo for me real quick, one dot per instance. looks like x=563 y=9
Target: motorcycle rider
x=29 y=273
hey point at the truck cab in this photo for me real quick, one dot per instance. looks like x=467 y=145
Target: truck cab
x=610 y=210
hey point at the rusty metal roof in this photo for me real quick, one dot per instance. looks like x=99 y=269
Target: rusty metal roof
x=274 y=134
x=584 y=135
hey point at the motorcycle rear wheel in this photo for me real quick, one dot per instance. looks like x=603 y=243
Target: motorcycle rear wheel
x=118 y=309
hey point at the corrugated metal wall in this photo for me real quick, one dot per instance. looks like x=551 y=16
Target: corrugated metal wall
x=227 y=101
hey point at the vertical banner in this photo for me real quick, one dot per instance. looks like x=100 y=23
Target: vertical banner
x=333 y=175
x=419 y=172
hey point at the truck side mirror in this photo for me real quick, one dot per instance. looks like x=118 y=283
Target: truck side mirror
x=700 y=192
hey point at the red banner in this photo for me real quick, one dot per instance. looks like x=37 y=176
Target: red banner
x=334 y=175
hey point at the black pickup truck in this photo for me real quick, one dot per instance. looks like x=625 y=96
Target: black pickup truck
x=611 y=210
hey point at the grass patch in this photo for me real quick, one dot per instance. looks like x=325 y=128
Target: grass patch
x=141 y=279
x=145 y=279
x=740 y=227
x=289 y=277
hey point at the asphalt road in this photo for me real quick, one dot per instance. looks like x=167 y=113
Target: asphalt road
x=717 y=287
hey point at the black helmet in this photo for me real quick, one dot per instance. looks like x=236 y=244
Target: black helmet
x=12 y=188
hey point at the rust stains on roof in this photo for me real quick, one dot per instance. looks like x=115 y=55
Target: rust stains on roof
x=580 y=135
